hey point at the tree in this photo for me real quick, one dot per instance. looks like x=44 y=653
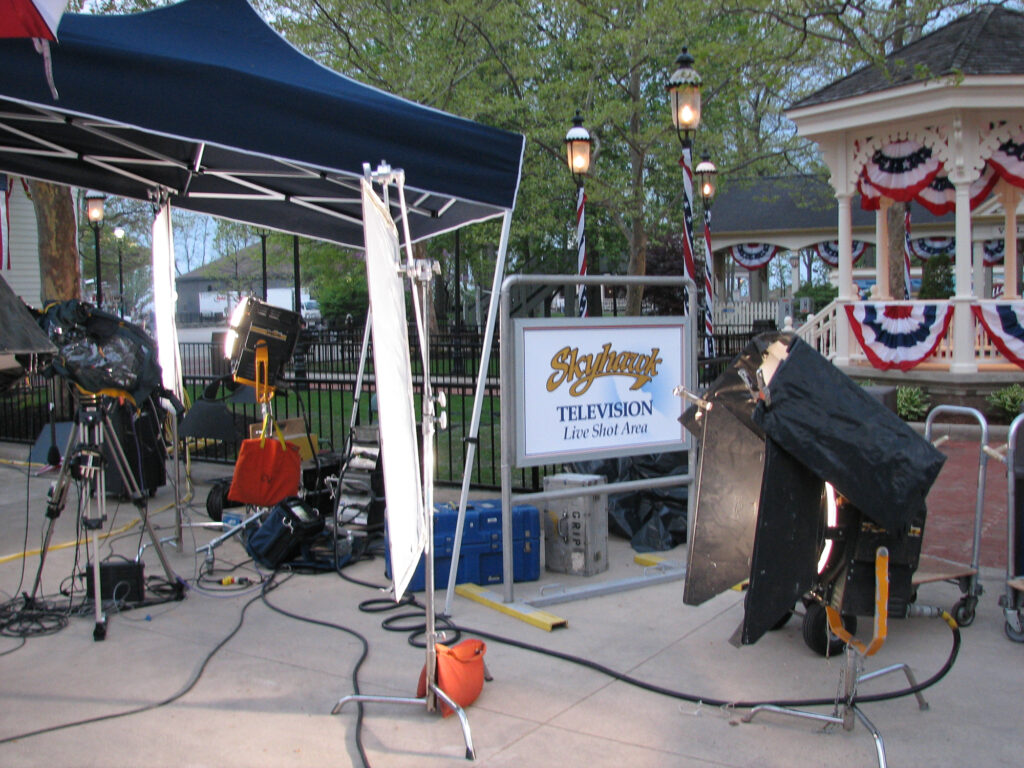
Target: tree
x=59 y=269
x=821 y=294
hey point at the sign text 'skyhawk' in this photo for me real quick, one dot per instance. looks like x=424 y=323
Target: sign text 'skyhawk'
x=580 y=371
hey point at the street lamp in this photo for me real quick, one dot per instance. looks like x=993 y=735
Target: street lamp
x=577 y=155
x=683 y=88
x=119 y=234
x=706 y=172
x=94 y=210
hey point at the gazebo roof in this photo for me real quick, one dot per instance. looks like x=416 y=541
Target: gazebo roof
x=792 y=212
x=984 y=42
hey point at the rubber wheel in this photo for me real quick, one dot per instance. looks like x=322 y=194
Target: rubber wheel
x=816 y=632
x=963 y=611
x=1013 y=634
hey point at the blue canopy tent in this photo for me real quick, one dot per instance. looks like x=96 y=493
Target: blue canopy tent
x=204 y=103
x=203 y=106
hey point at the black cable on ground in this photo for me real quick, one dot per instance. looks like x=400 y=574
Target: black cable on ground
x=146 y=707
x=419 y=628
x=859 y=699
x=355 y=669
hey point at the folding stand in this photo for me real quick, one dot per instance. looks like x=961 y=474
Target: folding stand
x=264 y=396
x=94 y=431
x=850 y=676
x=421 y=274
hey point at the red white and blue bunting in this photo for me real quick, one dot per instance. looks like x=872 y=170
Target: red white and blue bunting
x=899 y=335
x=926 y=247
x=901 y=169
x=828 y=251
x=1008 y=160
x=753 y=255
x=939 y=196
x=1004 y=324
x=993 y=252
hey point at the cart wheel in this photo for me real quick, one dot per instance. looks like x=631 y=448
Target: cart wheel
x=1016 y=635
x=817 y=635
x=963 y=611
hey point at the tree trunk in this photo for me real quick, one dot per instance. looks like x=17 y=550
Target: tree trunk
x=59 y=265
x=897 y=243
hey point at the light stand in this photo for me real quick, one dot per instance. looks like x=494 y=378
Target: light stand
x=261 y=339
x=94 y=210
x=420 y=273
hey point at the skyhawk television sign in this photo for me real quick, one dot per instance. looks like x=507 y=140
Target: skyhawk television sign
x=596 y=388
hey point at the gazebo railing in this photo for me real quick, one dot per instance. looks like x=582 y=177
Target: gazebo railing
x=820 y=332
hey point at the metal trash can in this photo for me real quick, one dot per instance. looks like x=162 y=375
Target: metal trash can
x=576 y=528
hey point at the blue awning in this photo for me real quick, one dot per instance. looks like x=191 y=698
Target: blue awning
x=204 y=103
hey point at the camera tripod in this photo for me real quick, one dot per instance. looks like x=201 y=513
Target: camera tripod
x=84 y=460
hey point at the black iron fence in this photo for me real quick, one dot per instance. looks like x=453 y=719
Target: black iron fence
x=320 y=386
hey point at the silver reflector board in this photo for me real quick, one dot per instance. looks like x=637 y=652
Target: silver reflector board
x=399 y=447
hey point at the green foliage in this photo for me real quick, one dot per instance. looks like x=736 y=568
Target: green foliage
x=912 y=403
x=1007 y=401
x=342 y=296
x=937 y=278
x=821 y=295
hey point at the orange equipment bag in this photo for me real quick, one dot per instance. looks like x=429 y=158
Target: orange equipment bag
x=460 y=673
x=267 y=471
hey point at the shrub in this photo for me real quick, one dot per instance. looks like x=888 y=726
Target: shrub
x=1007 y=401
x=937 y=278
x=912 y=403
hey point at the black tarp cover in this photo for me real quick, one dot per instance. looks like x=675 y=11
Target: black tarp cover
x=847 y=438
x=204 y=100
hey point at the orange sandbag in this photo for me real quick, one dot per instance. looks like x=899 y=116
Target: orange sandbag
x=460 y=673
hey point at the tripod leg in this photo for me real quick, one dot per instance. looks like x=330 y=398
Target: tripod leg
x=55 y=503
x=93 y=517
x=139 y=499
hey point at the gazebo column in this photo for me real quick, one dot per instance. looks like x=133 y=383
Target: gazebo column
x=794 y=272
x=982 y=287
x=1009 y=197
x=963 y=321
x=882 y=290
x=846 y=294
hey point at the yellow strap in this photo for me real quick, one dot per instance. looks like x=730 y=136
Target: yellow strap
x=262 y=373
x=880 y=628
x=264 y=433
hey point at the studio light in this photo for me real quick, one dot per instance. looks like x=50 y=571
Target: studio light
x=259 y=343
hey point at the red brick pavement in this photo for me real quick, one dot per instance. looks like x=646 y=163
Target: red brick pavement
x=951 y=503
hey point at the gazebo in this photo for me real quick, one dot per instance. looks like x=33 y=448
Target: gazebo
x=953 y=141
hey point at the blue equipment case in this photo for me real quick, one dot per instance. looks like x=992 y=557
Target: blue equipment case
x=480 y=558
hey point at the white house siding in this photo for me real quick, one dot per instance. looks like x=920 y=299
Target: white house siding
x=23 y=275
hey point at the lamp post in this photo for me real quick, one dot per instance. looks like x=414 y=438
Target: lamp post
x=577 y=155
x=683 y=88
x=706 y=172
x=94 y=210
x=119 y=234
